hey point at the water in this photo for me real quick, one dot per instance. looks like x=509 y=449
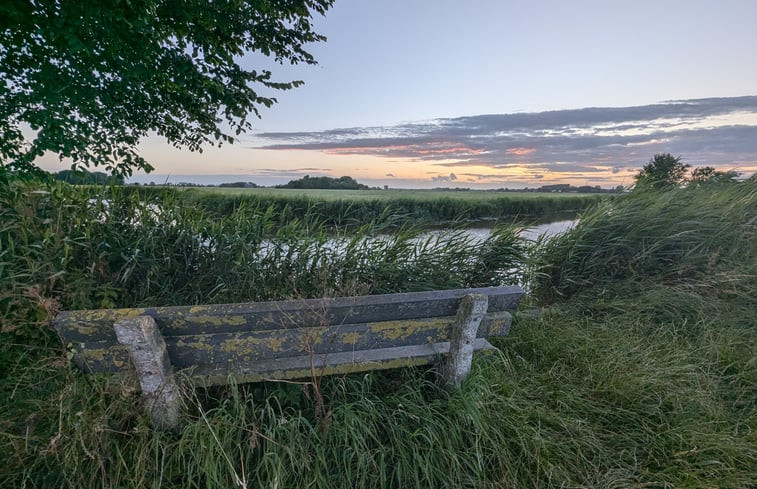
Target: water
x=548 y=230
x=474 y=235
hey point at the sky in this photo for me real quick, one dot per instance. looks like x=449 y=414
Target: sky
x=490 y=94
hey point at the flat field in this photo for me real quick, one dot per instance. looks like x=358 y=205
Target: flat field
x=393 y=194
x=417 y=207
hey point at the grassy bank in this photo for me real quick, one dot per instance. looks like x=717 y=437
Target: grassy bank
x=388 y=195
x=640 y=374
x=414 y=207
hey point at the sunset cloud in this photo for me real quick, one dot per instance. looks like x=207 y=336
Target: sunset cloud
x=287 y=172
x=720 y=132
x=519 y=151
x=444 y=178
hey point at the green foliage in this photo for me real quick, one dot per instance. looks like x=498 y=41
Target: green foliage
x=238 y=185
x=415 y=208
x=94 y=247
x=699 y=235
x=569 y=402
x=663 y=170
x=84 y=177
x=92 y=78
x=707 y=174
x=645 y=377
x=341 y=183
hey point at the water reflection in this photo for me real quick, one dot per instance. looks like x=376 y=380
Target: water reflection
x=531 y=233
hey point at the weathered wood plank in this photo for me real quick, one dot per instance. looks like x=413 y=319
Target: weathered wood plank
x=256 y=346
x=304 y=367
x=97 y=325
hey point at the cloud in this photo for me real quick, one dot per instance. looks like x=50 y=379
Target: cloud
x=713 y=131
x=520 y=151
x=444 y=178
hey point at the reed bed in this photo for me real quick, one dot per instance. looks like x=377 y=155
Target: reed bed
x=701 y=238
x=407 y=208
x=636 y=376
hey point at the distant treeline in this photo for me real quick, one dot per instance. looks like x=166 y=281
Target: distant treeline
x=581 y=189
x=84 y=177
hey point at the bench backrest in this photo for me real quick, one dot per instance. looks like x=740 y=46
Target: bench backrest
x=288 y=339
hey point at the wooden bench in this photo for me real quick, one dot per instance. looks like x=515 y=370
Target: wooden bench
x=279 y=340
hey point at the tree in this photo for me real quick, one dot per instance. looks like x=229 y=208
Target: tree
x=341 y=183
x=707 y=174
x=84 y=177
x=662 y=170
x=238 y=185
x=90 y=79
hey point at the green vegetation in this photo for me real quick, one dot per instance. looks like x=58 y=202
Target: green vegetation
x=416 y=207
x=92 y=79
x=84 y=177
x=641 y=372
x=393 y=194
x=665 y=170
x=238 y=185
x=696 y=237
x=341 y=183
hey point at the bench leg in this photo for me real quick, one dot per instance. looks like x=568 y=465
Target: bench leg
x=464 y=329
x=148 y=353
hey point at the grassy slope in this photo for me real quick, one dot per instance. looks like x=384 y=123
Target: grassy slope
x=642 y=374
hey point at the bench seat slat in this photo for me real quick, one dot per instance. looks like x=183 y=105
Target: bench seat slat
x=304 y=367
x=97 y=325
x=257 y=346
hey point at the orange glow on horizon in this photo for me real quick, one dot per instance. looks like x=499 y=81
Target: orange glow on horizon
x=432 y=168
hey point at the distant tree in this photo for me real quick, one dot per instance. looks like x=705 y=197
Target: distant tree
x=84 y=177
x=341 y=183
x=238 y=185
x=587 y=189
x=90 y=79
x=707 y=174
x=662 y=170
x=188 y=184
x=559 y=187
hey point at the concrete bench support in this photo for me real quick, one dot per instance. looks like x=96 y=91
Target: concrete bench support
x=148 y=353
x=463 y=335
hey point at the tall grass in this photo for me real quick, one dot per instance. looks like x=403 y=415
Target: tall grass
x=643 y=378
x=702 y=238
x=426 y=211
x=63 y=247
